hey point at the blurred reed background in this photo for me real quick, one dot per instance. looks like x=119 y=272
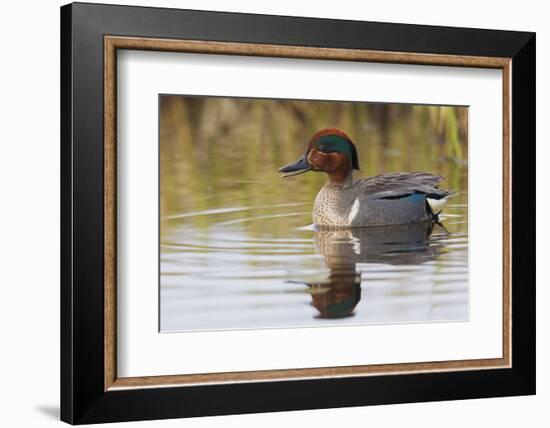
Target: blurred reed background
x=205 y=141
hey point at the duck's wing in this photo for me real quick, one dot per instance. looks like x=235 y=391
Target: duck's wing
x=398 y=185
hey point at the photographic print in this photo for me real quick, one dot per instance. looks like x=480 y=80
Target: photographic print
x=279 y=213
x=322 y=208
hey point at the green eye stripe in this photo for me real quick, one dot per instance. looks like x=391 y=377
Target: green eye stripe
x=333 y=144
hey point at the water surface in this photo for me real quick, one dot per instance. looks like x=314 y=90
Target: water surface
x=221 y=277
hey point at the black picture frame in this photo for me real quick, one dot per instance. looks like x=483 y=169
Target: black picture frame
x=83 y=398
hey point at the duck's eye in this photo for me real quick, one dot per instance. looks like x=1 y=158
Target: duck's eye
x=325 y=148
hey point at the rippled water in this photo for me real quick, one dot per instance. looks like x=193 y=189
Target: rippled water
x=220 y=277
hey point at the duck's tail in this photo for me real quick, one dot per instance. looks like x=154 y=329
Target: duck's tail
x=438 y=201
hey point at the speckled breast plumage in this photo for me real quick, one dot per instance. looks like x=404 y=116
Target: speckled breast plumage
x=387 y=199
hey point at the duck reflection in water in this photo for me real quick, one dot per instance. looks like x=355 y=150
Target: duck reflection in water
x=410 y=244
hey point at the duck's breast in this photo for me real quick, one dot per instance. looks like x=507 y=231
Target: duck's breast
x=335 y=207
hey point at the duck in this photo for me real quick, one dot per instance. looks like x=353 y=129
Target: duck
x=387 y=199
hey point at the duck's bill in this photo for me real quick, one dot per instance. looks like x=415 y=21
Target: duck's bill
x=290 y=174
x=299 y=167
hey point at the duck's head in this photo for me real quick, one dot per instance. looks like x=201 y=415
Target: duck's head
x=329 y=150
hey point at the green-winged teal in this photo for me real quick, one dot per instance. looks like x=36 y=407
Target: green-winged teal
x=394 y=198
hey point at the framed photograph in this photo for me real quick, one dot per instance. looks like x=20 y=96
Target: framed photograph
x=266 y=213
